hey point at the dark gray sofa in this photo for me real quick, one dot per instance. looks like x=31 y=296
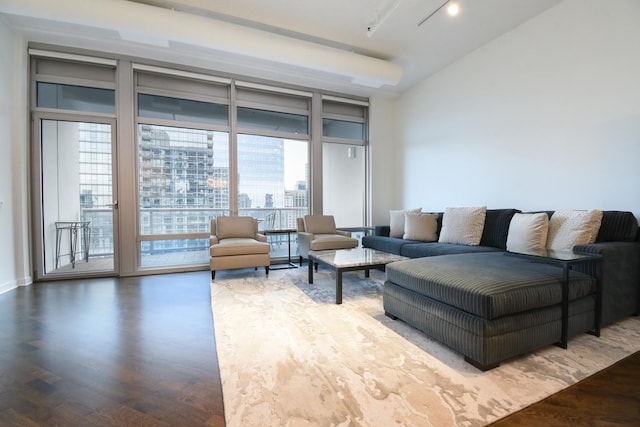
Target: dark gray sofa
x=490 y=306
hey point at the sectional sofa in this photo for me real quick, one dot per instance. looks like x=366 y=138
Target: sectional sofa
x=489 y=305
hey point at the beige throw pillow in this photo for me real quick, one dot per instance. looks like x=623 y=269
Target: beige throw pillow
x=569 y=228
x=463 y=226
x=420 y=226
x=528 y=231
x=396 y=222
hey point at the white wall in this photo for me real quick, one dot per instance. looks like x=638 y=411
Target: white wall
x=7 y=265
x=342 y=174
x=14 y=195
x=546 y=116
x=383 y=153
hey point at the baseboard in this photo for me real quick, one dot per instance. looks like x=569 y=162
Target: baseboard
x=25 y=281
x=6 y=287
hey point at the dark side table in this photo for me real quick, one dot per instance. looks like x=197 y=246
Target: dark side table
x=288 y=232
x=566 y=260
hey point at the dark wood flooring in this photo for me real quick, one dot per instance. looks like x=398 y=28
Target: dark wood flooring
x=141 y=352
x=609 y=398
x=110 y=352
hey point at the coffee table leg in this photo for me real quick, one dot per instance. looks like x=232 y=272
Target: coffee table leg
x=565 y=307
x=366 y=273
x=338 y=286
x=310 y=263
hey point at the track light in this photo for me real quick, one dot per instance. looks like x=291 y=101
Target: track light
x=452 y=10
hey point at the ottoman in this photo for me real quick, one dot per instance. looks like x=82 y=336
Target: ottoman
x=488 y=306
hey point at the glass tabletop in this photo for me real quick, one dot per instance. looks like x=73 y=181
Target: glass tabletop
x=355 y=257
x=560 y=255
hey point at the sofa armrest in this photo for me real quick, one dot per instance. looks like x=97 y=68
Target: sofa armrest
x=213 y=240
x=343 y=233
x=620 y=277
x=261 y=237
x=382 y=230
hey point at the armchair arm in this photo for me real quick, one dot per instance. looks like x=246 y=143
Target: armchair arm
x=343 y=233
x=213 y=240
x=304 y=242
x=261 y=237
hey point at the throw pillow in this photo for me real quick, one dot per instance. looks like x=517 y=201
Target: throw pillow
x=568 y=228
x=420 y=226
x=496 y=227
x=528 y=231
x=396 y=222
x=463 y=226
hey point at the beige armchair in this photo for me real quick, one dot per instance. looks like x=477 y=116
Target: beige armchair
x=318 y=233
x=236 y=243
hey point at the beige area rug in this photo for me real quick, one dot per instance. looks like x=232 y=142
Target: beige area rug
x=289 y=356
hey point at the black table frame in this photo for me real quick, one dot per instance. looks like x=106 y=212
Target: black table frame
x=287 y=231
x=566 y=265
x=313 y=261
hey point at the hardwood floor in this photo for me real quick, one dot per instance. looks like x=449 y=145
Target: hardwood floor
x=110 y=352
x=609 y=398
x=141 y=352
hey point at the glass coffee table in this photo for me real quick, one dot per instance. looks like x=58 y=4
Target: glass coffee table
x=356 y=259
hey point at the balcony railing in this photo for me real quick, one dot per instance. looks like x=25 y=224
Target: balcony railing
x=176 y=222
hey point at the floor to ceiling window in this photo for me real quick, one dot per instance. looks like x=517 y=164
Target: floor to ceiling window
x=273 y=159
x=183 y=167
x=187 y=147
x=344 y=163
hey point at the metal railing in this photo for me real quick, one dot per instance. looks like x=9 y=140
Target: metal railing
x=174 y=222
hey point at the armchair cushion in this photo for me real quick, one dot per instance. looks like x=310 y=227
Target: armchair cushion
x=239 y=246
x=323 y=242
x=320 y=224
x=236 y=226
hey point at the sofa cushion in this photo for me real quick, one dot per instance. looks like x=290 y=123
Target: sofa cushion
x=528 y=231
x=396 y=221
x=320 y=224
x=417 y=250
x=496 y=227
x=236 y=226
x=386 y=244
x=463 y=225
x=617 y=226
x=568 y=228
x=489 y=285
x=420 y=226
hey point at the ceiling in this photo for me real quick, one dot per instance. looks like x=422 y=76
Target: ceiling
x=394 y=36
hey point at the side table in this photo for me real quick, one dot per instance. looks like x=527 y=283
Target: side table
x=566 y=260
x=288 y=232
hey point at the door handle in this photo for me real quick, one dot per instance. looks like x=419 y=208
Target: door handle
x=114 y=205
